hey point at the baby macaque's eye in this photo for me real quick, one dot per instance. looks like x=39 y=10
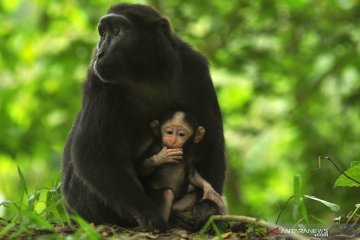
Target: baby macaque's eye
x=181 y=134
x=169 y=131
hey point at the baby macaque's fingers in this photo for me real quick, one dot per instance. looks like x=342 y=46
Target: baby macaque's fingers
x=172 y=161
x=175 y=157
x=171 y=150
x=174 y=153
x=163 y=151
x=174 y=149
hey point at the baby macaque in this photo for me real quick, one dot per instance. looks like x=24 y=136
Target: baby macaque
x=169 y=176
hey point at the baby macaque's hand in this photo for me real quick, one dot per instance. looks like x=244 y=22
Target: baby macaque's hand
x=212 y=195
x=168 y=155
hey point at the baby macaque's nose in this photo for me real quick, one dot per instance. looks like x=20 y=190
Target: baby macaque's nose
x=173 y=139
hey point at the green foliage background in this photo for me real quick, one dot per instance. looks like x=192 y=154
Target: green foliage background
x=286 y=75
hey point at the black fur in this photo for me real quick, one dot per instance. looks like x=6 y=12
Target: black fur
x=142 y=71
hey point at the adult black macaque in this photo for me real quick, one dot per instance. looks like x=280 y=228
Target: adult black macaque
x=168 y=174
x=139 y=71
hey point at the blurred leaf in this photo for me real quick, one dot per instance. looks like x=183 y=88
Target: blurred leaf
x=7 y=228
x=33 y=199
x=343 y=181
x=87 y=229
x=299 y=200
x=355 y=163
x=334 y=207
x=22 y=187
x=32 y=219
x=297 y=188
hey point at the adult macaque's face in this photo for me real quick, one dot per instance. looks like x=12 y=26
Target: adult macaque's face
x=176 y=131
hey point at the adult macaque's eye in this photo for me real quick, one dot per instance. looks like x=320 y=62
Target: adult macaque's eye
x=115 y=29
x=102 y=33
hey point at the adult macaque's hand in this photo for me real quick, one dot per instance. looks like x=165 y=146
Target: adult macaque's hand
x=168 y=155
x=211 y=194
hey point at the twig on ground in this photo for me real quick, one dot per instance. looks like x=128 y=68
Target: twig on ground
x=258 y=222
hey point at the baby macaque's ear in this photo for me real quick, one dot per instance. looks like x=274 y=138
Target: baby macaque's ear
x=199 y=134
x=155 y=126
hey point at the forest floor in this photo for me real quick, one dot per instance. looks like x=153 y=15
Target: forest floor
x=218 y=227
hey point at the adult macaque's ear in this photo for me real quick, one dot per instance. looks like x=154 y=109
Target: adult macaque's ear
x=155 y=126
x=165 y=25
x=199 y=134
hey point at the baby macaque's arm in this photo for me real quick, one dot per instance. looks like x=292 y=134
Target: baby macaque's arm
x=166 y=155
x=209 y=193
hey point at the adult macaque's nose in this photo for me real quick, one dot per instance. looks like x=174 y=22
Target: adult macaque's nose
x=100 y=54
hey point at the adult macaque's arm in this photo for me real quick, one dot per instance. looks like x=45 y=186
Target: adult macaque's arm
x=209 y=193
x=197 y=180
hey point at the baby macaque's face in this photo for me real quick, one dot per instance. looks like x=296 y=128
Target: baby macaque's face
x=176 y=131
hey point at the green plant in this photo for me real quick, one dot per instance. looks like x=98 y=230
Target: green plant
x=41 y=212
x=349 y=178
x=300 y=212
x=211 y=224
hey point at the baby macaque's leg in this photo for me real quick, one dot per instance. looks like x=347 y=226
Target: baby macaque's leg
x=186 y=202
x=168 y=198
